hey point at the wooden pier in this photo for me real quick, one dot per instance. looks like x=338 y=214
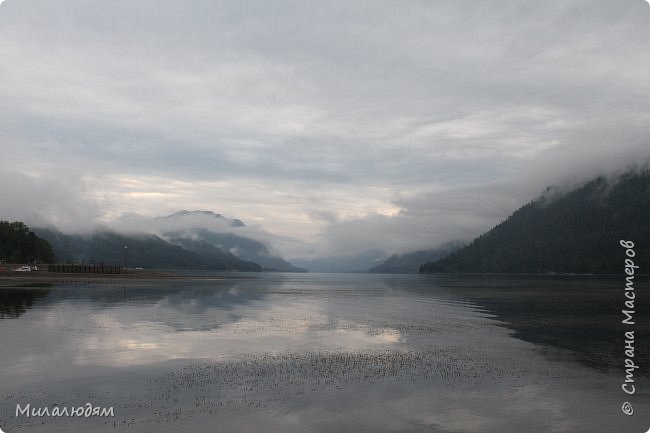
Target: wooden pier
x=85 y=269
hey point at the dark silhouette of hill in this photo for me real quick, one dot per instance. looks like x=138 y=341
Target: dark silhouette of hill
x=576 y=232
x=410 y=263
x=240 y=246
x=192 y=229
x=146 y=250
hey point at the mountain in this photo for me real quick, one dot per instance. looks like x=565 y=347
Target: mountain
x=192 y=229
x=410 y=263
x=18 y=244
x=242 y=247
x=575 y=232
x=203 y=213
x=345 y=262
x=146 y=250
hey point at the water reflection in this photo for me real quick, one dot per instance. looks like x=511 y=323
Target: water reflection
x=581 y=315
x=116 y=326
x=15 y=302
x=292 y=353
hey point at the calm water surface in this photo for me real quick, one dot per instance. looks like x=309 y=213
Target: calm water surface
x=325 y=353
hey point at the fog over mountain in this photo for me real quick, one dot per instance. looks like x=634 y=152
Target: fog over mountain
x=329 y=128
x=578 y=231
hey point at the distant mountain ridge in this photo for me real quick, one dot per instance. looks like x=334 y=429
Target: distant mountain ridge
x=576 y=232
x=193 y=238
x=242 y=247
x=184 y=243
x=346 y=263
x=144 y=250
x=184 y=213
x=410 y=263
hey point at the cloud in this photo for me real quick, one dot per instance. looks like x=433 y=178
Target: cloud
x=165 y=224
x=426 y=220
x=45 y=200
x=460 y=212
x=324 y=122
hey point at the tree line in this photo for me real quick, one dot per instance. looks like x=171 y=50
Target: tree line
x=578 y=232
x=18 y=244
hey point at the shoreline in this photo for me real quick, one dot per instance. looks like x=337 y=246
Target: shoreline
x=13 y=279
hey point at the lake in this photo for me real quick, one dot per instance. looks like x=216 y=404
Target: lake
x=325 y=353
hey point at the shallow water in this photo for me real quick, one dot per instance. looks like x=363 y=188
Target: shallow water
x=325 y=352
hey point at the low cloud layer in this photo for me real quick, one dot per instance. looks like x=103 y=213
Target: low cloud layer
x=332 y=127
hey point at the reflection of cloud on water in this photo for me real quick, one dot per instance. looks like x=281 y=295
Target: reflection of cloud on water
x=151 y=332
x=295 y=358
x=144 y=325
x=127 y=340
x=526 y=408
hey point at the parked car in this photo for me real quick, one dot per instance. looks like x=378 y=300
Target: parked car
x=23 y=269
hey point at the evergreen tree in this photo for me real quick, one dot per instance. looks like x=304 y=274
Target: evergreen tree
x=18 y=244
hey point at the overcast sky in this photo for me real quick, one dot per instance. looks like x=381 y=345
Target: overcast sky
x=333 y=126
